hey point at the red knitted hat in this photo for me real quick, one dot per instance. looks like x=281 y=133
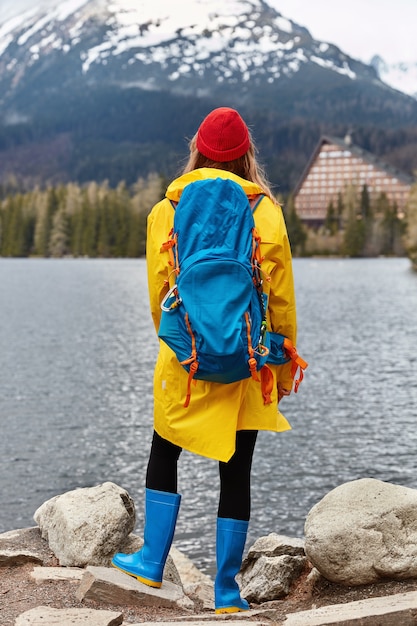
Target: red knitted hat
x=223 y=136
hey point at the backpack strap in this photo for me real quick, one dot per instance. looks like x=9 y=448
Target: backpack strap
x=255 y=200
x=252 y=363
x=258 y=276
x=297 y=362
x=267 y=383
x=191 y=361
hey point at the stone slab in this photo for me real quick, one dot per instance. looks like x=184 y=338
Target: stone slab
x=26 y=541
x=394 y=610
x=18 y=557
x=18 y=533
x=206 y=622
x=71 y=574
x=47 y=616
x=109 y=585
x=254 y=617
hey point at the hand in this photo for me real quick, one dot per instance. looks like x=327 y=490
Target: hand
x=282 y=392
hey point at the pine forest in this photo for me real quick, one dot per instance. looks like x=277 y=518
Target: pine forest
x=97 y=220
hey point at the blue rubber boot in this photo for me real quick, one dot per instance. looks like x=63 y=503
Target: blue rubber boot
x=147 y=565
x=230 y=542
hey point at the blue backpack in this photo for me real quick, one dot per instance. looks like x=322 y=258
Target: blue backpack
x=214 y=317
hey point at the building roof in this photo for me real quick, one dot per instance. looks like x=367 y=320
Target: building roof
x=370 y=158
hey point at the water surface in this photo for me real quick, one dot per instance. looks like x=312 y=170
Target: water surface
x=77 y=349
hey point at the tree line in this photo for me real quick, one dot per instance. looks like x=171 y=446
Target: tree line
x=93 y=220
x=356 y=225
x=96 y=220
x=410 y=237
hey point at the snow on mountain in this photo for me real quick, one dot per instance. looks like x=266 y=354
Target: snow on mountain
x=235 y=40
x=96 y=89
x=244 y=38
x=401 y=76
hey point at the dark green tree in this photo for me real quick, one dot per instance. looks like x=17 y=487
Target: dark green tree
x=331 y=222
x=296 y=231
x=17 y=227
x=365 y=205
x=340 y=209
x=355 y=229
x=104 y=244
x=390 y=225
x=410 y=234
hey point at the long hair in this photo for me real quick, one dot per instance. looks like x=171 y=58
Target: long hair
x=245 y=166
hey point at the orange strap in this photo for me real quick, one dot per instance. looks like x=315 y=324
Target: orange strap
x=267 y=383
x=297 y=362
x=193 y=369
x=257 y=257
x=256 y=248
x=192 y=361
x=169 y=246
x=252 y=363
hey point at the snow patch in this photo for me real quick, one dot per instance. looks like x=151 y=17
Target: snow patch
x=189 y=35
x=68 y=7
x=284 y=24
x=400 y=76
x=328 y=64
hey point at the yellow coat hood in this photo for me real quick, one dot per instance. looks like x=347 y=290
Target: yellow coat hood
x=175 y=189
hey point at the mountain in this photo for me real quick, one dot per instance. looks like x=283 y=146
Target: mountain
x=401 y=76
x=110 y=88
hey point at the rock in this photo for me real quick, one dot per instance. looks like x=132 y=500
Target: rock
x=71 y=574
x=188 y=572
x=270 y=567
x=270 y=577
x=47 y=616
x=364 y=531
x=399 y=609
x=196 y=584
x=110 y=586
x=87 y=526
x=202 y=594
x=18 y=557
x=24 y=545
x=17 y=535
x=205 y=620
x=274 y=545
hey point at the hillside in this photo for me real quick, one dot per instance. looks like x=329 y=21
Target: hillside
x=98 y=90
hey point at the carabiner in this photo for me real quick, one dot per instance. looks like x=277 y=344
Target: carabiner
x=171 y=292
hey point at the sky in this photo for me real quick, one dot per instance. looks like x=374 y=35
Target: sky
x=361 y=28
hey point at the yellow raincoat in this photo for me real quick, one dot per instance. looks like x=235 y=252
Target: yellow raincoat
x=208 y=425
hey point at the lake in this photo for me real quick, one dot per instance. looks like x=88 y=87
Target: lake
x=77 y=348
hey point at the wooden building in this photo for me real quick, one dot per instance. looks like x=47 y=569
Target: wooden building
x=336 y=164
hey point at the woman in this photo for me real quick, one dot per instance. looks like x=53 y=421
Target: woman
x=221 y=421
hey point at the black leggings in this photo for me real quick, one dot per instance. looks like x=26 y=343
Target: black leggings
x=234 y=500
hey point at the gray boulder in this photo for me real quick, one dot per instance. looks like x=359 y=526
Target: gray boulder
x=87 y=526
x=272 y=565
x=364 y=531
